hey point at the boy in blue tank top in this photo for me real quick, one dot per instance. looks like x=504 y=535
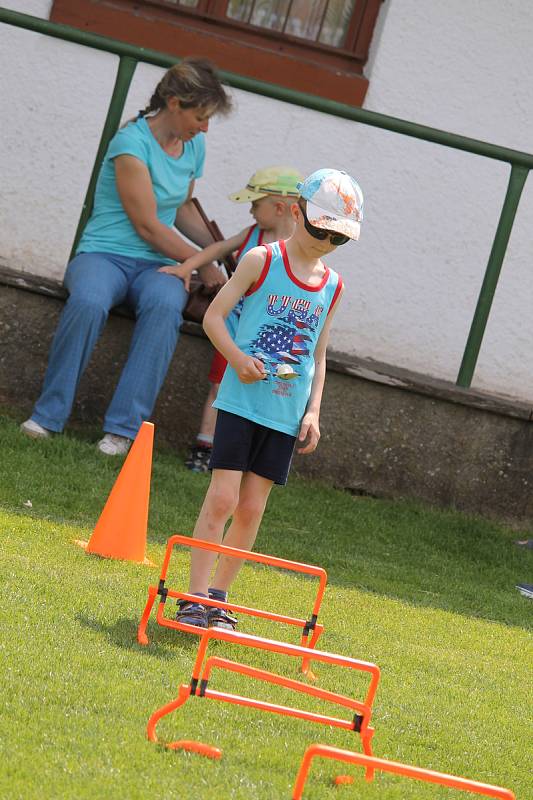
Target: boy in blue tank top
x=271 y=391
x=270 y=191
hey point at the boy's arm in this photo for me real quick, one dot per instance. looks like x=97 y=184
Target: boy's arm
x=248 y=368
x=212 y=252
x=189 y=222
x=309 y=429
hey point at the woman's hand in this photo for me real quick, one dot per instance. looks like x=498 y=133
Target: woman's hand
x=211 y=276
x=179 y=271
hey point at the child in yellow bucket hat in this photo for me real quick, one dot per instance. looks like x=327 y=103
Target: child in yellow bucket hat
x=269 y=181
x=270 y=190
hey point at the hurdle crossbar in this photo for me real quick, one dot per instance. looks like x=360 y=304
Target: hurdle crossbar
x=203 y=667
x=371 y=764
x=311 y=628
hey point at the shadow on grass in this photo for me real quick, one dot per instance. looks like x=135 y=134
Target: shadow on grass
x=400 y=549
x=425 y=556
x=123 y=633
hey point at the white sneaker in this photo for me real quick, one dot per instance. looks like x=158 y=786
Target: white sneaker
x=33 y=429
x=114 y=445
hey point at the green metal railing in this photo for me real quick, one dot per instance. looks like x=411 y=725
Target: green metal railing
x=130 y=56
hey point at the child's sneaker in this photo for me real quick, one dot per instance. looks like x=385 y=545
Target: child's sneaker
x=191 y=614
x=219 y=618
x=198 y=460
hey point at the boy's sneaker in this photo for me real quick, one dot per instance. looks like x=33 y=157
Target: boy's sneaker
x=219 y=618
x=33 y=429
x=198 y=460
x=114 y=445
x=525 y=589
x=191 y=614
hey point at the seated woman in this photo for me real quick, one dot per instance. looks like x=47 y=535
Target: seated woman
x=144 y=188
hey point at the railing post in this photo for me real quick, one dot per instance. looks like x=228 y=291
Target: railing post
x=126 y=68
x=515 y=186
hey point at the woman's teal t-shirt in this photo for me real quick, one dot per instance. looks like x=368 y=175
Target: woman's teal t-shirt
x=109 y=229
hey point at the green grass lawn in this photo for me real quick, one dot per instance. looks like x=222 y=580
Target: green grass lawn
x=428 y=595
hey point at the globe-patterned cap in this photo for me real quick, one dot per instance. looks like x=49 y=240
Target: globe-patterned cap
x=334 y=201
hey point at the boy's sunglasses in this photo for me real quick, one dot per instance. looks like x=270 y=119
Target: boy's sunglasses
x=336 y=239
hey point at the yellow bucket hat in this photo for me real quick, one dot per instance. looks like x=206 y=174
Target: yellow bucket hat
x=269 y=180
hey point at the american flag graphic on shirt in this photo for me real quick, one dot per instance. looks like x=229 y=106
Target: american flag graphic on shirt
x=287 y=340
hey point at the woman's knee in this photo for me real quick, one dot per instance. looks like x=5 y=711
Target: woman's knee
x=95 y=282
x=164 y=295
x=87 y=305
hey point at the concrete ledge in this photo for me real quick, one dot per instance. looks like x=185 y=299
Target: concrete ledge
x=379 y=372
x=385 y=431
x=365 y=368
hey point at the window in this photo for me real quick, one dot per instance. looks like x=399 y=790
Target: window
x=322 y=21
x=315 y=46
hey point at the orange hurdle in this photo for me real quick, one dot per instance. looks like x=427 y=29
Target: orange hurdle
x=198 y=687
x=310 y=626
x=371 y=764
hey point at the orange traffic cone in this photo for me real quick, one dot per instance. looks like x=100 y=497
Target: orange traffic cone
x=121 y=530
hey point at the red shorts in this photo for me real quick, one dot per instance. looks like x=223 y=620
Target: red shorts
x=217 y=369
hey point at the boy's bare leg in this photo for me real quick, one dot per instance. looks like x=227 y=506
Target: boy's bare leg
x=253 y=496
x=219 y=504
x=198 y=459
x=209 y=414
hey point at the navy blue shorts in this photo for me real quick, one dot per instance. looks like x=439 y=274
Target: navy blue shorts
x=244 y=445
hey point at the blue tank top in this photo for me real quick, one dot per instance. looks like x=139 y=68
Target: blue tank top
x=254 y=237
x=280 y=323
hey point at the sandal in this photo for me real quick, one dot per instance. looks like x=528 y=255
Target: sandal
x=219 y=618
x=191 y=614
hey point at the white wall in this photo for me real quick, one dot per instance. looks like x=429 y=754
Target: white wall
x=54 y=101
x=431 y=212
x=464 y=67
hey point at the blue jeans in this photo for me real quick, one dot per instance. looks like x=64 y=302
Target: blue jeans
x=97 y=282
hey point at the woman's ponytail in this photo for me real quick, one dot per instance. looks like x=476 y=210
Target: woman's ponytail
x=155 y=104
